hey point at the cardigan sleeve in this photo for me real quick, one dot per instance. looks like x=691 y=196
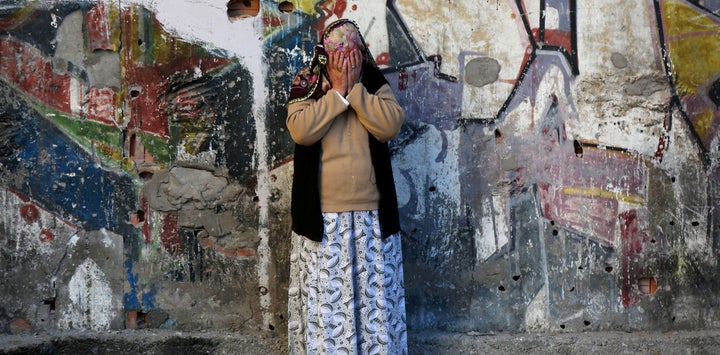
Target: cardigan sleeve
x=379 y=113
x=308 y=121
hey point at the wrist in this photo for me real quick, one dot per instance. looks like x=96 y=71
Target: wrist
x=342 y=97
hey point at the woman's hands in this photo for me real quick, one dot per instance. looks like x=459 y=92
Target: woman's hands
x=344 y=70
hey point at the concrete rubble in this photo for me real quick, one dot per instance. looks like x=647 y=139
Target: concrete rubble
x=173 y=342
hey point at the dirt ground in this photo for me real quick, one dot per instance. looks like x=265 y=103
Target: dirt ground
x=176 y=343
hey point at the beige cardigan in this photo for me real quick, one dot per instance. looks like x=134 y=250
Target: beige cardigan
x=347 y=178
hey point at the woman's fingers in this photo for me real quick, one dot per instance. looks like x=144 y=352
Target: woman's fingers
x=355 y=63
x=356 y=60
x=337 y=68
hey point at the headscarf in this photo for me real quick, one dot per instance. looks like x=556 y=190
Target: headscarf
x=313 y=81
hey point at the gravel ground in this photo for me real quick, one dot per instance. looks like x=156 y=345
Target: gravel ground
x=176 y=343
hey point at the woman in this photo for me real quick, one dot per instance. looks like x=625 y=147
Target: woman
x=346 y=290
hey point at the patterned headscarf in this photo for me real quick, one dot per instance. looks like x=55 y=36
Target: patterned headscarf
x=341 y=35
x=342 y=38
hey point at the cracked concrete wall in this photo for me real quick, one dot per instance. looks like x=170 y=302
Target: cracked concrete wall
x=557 y=170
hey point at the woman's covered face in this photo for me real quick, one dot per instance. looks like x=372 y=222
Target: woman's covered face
x=343 y=38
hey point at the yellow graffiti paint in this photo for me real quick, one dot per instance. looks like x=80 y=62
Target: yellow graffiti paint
x=20 y=15
x=692 y=39
x=306 y=6
x=598 y=192
x=112 y=153
x=702 y=122
x=150 y=44
x=114 y=20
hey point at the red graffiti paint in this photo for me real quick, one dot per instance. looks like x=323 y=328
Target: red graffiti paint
x=101 y=105
x=664 y=140
x=36 y=78
x=354 y=7
x=146 y=224
x=383 y=58
x=271 y=21
x=98 y=28
x=153 y=79
x=402 y=80
x=556 y=38
x=30 y=213
x=169 y=235
x=46 y=236
x=584 y=213
x=632 y=236
x=206 y=243
x=9 y=69
x=339 y=8
x=632 y=240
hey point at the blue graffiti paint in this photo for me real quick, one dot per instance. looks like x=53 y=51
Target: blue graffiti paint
x=34 y=28
x=60 y=175
x=131 y=299
x=148 y=299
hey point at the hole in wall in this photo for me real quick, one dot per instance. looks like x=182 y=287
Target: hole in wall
x=50 y=303
x=135 y=91
x=516 y=277
x=146 y=175
x=714 y=93
x=271 y=327
x=672 y=223
x=562 y=326
x=578 y=149
x=672 y=179
x=555 y=232
x=695 y=223
x=432 y=188
x=501 y=288
x=608 y=269
x=587 y=322
x=239 y=9
x=135 y=320
x=131 y=148
x=137 y=218
x=572 y=289
x=286 y=7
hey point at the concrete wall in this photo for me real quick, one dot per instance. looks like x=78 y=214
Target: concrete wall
x=557 y=171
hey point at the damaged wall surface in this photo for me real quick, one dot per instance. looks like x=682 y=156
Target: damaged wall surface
x=557 y=170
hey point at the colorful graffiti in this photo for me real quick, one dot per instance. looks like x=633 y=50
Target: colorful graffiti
x=536 y=148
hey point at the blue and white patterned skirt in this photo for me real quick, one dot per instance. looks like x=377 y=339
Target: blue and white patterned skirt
x=346 y=293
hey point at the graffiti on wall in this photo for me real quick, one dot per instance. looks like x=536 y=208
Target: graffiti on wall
x=111 y=119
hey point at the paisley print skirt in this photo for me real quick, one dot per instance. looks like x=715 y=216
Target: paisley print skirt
x=346 y=293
